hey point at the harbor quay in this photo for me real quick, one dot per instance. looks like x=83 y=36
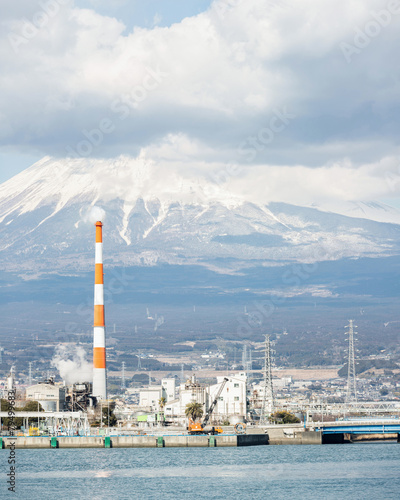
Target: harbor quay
x=148 y=441
x=255 y=437
x=273 y=435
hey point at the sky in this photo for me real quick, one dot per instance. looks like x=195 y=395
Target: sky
x=302 y=95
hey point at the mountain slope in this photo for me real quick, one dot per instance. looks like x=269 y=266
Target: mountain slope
x=153 y=216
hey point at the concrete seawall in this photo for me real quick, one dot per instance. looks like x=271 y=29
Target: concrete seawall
x=273 y=435
x=177 y=441
x=345 y=437
x=373 y=437
x=281 y=436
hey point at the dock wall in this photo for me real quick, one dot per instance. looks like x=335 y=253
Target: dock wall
x=279 y=435
x=176 y=441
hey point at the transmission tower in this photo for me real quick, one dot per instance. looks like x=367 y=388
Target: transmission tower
x=123 y=386
x=351 y=394
x=139 y=365
x=268 y=402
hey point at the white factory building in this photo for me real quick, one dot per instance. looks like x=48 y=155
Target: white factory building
x=150 y=396
x=189 y=392
x=50 y=396
x=169 y=388
x=232 y=400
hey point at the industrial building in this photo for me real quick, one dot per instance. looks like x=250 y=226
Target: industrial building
x=169 y=388
x=150 y=397
x=79 y=397
x=50 y=396
x=231 y=402
x=189 y=392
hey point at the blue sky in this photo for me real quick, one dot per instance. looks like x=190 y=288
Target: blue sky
x=132 y=13
x=303 y=96
x=146 y=13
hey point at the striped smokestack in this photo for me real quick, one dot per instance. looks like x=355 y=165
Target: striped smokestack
x=99 y=336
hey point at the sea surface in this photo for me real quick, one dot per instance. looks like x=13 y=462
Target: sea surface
x=353 y=471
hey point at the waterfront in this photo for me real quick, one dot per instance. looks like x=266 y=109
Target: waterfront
x=356 y=471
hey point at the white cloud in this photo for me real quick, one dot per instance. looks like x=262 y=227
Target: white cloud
x=160 y=172
x=194 y=91
x=339 y=181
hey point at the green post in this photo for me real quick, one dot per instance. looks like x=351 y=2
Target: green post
x=160 y=442
x=107 y=442
x=53 y=442
x=212 y=442
x=1 y=443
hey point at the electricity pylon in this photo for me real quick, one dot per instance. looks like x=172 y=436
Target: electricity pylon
x=351 y=393
x=268 y=402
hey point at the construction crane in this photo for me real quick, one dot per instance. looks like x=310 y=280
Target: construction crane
x=198 y=427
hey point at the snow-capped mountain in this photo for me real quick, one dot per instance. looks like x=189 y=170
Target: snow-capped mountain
x=372 y=210
x=155 y=216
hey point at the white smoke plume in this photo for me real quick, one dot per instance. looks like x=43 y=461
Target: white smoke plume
x=93 y=214
x=72 y=364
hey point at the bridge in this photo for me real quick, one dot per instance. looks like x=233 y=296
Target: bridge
x=359 y=426
x=365 y=408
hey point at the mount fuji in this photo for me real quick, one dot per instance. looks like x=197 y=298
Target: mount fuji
x=154 y=216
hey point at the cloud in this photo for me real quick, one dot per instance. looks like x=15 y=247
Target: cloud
x=174 y=172
x=83 y=85
x=338 y=181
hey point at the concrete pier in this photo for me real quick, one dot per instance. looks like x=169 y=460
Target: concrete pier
x=276 y=435
x=168 y=441
x=282 y=436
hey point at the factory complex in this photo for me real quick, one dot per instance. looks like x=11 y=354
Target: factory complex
x=155 y=405
x=89 y=407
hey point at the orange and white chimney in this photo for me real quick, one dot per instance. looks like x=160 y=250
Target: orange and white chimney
x=99 y=334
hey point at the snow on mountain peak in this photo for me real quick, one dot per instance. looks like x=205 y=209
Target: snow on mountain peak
x=159 y=214
x=60 y=182
x=375 y=211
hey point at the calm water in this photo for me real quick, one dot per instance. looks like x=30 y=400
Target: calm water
x=356 y=471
